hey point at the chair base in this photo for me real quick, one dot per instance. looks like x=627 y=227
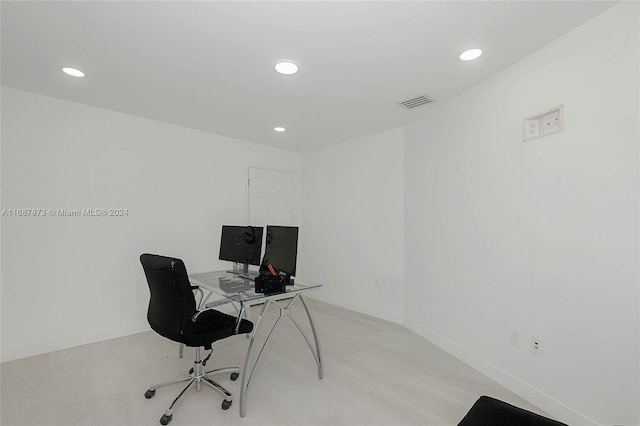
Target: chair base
x=195 y=379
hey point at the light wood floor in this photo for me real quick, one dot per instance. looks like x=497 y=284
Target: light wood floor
x=375 y=373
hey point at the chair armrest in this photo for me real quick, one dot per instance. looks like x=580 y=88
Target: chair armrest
x=198 y=290
x=195 y=316
x=211 y=307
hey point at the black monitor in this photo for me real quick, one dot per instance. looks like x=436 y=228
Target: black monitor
x=281 y=249
x=241 y=244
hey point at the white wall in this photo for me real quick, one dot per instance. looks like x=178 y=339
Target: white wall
x=541 y=236
x=74 y=280
x=352 y=219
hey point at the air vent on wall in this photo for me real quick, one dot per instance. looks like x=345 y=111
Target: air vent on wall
x=416 y=102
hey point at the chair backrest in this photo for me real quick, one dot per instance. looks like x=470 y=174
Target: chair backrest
x=172 y=303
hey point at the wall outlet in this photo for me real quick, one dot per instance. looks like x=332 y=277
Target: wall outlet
x=543 y=124
x=537 y=346
x=514 y=336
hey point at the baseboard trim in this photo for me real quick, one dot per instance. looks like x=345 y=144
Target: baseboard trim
x=394 y=317
x=550 y=405
x=39 y=348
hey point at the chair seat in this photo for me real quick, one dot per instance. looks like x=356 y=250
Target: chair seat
x=489 y=411
x=211 y=326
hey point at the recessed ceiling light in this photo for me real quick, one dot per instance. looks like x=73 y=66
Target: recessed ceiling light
x=471 y=54
x=73 y=72
x=286 y=67
x=279 y=129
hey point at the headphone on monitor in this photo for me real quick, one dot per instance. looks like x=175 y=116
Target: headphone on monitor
x=249 y=235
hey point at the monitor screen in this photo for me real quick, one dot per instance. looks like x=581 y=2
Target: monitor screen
x=281 y=249
x=242 y=244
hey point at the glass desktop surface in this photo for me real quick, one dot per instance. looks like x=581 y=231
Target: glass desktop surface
x=240 y=289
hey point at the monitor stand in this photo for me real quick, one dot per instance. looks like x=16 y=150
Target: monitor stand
x=288 y=279
x=243 y=271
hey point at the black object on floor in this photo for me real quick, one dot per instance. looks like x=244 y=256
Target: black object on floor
x=489 y=411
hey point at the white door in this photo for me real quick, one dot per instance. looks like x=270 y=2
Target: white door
x=271 y=197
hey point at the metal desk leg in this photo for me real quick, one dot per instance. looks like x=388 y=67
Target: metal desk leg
x=318 y=353
x=246 y=374
x=284 y=312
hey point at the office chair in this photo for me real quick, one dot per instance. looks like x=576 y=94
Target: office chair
x=173 y=314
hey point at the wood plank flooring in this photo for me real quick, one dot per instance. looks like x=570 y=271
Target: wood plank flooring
x=375 y=373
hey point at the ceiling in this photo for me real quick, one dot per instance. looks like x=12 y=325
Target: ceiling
x=209 y=65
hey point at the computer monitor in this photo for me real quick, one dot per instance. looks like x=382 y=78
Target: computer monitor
x=241 y=244
x=281 y=249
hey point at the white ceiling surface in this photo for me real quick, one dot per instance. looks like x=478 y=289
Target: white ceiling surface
x=209 y=65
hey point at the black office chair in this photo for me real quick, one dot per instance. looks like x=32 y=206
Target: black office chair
x=172 y=313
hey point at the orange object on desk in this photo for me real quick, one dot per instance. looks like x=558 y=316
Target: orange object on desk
x=273 y=271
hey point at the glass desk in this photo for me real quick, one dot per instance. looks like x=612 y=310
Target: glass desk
x=241 y=290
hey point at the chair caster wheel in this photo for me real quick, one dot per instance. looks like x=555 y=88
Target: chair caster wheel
x=164 y=420
x=149 y=393
x=226 y=404
x=234 y=376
